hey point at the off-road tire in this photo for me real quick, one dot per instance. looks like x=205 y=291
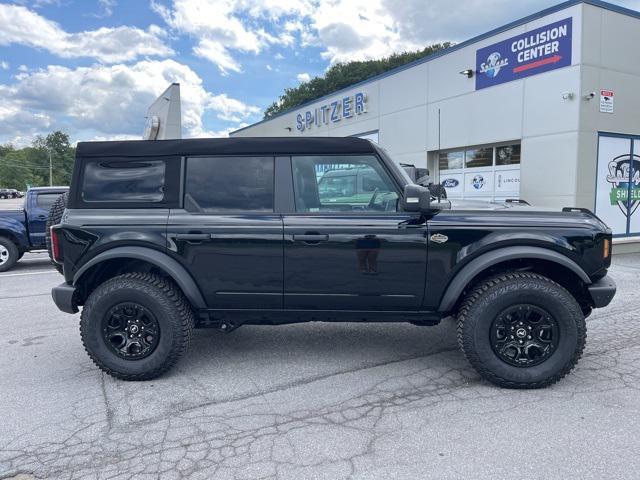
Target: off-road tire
x=55 y=215
x=13 y=255
x=492 y=296
x=163 y=299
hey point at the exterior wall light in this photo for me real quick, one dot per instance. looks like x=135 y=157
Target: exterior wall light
x=468 y=72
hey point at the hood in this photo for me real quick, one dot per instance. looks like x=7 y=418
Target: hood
x=521 y=213
x=488 y=205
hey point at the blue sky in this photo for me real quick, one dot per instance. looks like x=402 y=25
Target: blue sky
x=92 y=67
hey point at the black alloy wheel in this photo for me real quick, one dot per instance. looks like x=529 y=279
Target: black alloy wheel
x=131 y=331
x=524 y=335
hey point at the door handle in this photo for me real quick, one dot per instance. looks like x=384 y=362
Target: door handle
x=311 y=238
x=42 y=217
x=193 y=237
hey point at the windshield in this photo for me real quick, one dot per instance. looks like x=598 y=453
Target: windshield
x=396 y=168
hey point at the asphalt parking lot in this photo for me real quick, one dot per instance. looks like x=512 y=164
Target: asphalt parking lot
x=325 y=401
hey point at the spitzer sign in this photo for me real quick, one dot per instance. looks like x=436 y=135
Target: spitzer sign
x=537 y=51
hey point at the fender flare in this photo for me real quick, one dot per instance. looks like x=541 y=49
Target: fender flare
x=486 y=260
x=161 y=260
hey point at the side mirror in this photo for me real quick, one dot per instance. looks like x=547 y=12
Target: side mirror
x=416 y=199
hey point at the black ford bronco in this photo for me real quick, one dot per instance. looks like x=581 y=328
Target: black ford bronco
x=160 y=237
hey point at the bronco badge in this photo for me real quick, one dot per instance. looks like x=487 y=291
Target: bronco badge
x=439 y=238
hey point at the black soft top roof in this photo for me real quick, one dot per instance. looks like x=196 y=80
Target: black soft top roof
x=226 y=146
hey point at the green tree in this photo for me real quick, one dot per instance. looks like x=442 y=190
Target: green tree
x=30 y=165
x=343 y=75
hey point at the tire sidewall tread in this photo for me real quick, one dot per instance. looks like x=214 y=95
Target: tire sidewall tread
x=167 y=303
x=486 y=299
x=14 y=254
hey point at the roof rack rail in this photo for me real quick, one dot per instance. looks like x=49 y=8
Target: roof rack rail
x=577 y=209
x=519 y=201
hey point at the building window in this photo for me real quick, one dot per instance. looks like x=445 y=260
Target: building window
x=490 y=172
x=508 y=155
x=451 y=160
x=478 y=157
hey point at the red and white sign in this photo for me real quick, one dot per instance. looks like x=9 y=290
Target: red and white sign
x=606 y=101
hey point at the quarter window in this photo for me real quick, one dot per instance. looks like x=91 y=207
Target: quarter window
x=229 y=184
x=342 y=184
x=121 y=181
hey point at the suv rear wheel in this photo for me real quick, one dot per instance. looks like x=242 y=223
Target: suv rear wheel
x=136 y=326
x=521 y=330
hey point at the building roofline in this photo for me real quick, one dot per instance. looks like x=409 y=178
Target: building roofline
x=516 y=23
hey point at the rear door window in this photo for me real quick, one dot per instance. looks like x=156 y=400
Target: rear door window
x=45 y=200
x=229 y=184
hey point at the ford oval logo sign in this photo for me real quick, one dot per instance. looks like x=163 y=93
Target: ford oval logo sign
x=450 y=183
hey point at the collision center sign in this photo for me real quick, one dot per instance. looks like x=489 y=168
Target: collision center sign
x=540 y=50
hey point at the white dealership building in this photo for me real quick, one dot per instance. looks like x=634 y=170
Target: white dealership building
x=546 y=109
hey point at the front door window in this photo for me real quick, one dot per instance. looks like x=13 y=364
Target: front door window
x=348 y=183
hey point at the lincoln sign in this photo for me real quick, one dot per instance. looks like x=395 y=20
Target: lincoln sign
x=537 y=51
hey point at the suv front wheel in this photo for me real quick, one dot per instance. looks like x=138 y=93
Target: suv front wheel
x=521 y=330
x=136 y=326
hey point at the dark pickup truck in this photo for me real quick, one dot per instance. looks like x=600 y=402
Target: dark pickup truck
x=23 y=230
x=160 y=237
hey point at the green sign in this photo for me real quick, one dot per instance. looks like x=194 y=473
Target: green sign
x=621 y=194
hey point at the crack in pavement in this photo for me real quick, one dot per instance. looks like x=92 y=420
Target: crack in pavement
x=423 y=415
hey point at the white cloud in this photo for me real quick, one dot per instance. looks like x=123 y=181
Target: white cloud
x=231 y=109
x=344 y=30
x=221 y=27
x=216 y=53
x=224 y=133
x=4 y=65
x=26 y=27
x=369 y=29
x=109 y=101
x=303 y=77
x=106 y=8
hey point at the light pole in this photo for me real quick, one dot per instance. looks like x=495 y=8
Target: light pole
x=50 y=169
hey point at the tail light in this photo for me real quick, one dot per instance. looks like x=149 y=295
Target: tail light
x=56 y=251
